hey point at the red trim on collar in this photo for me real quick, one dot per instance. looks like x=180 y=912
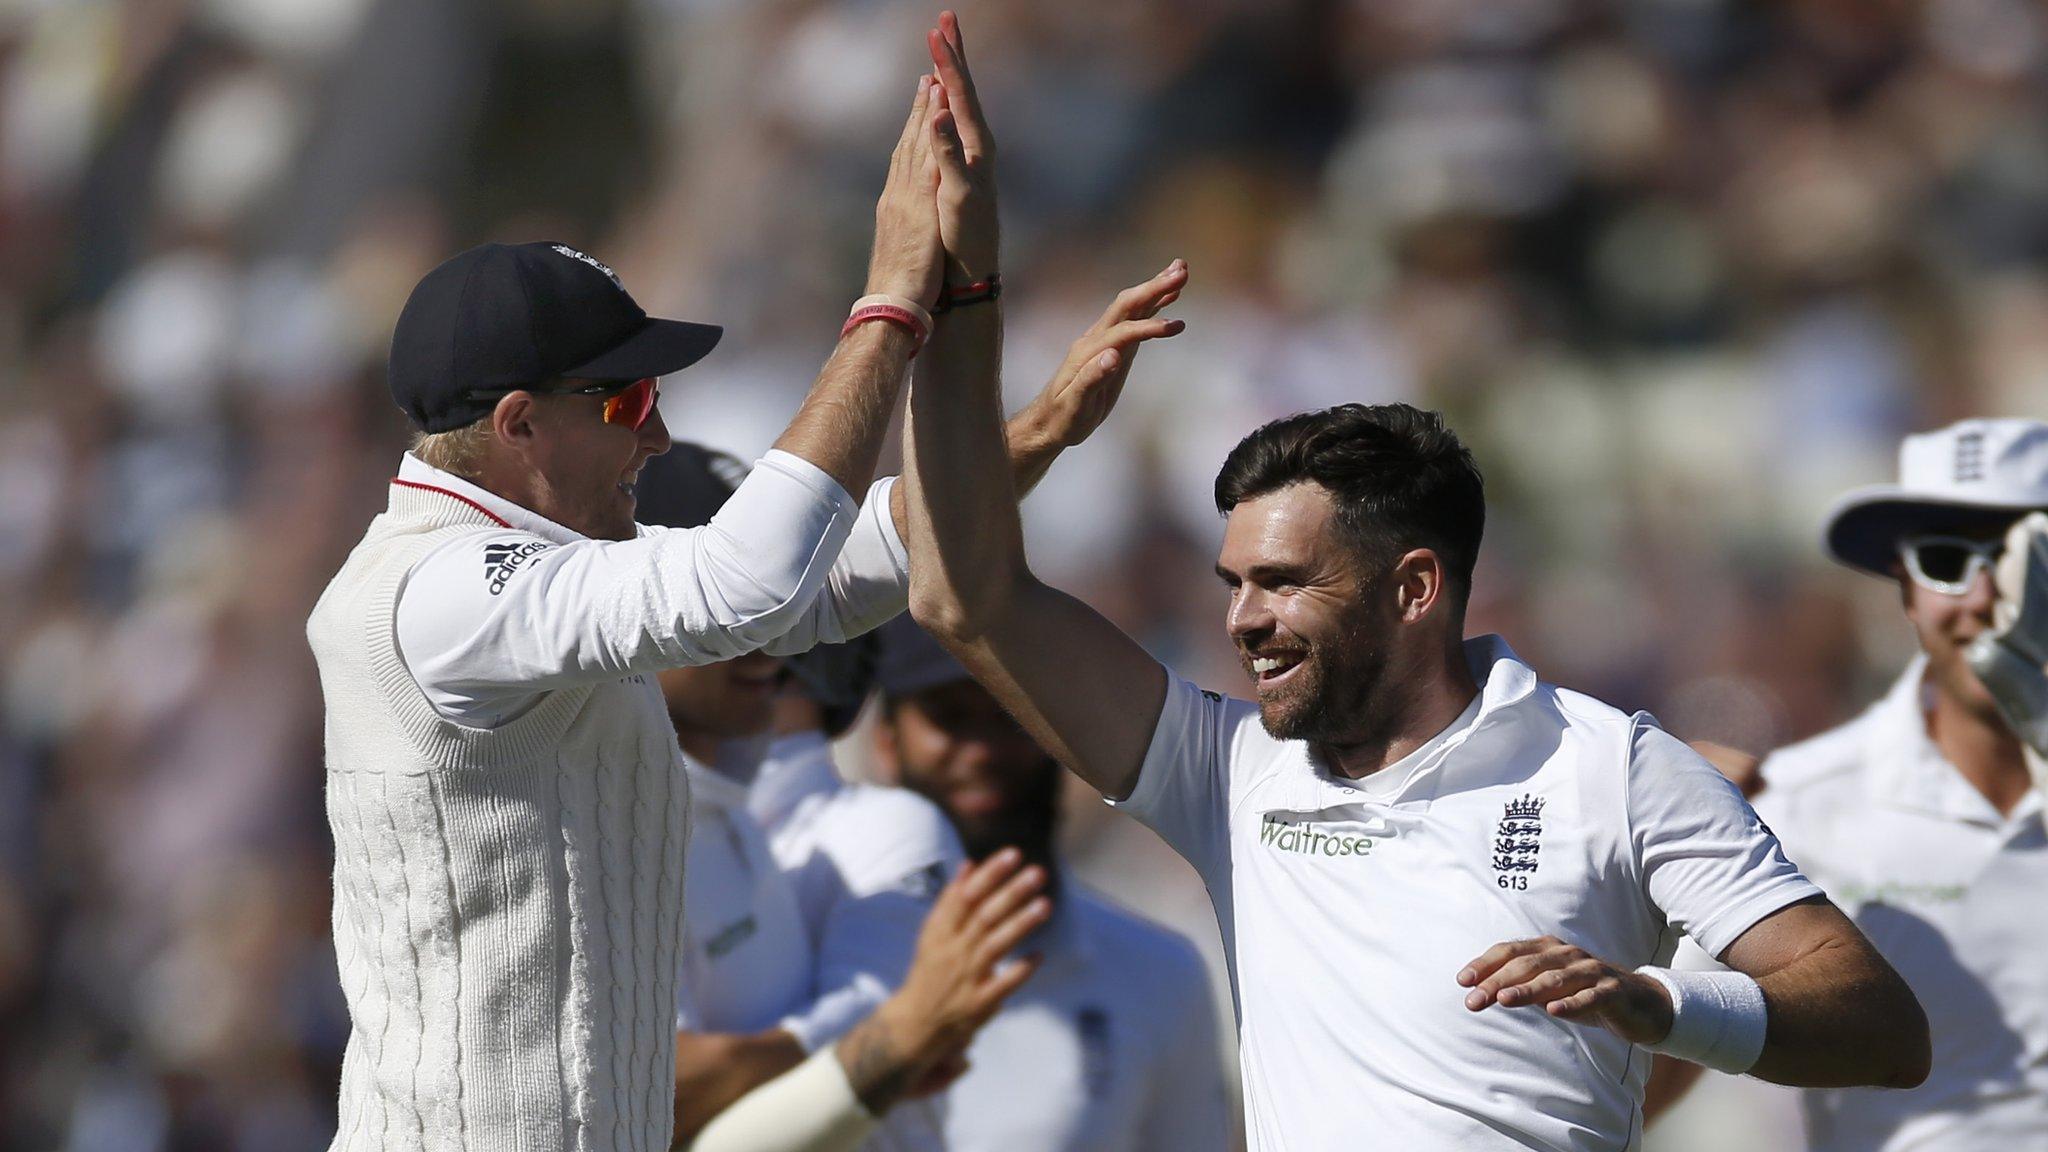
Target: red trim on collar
x=495 y=518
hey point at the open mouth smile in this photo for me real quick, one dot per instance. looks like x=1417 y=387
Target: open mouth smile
x=1271 y=669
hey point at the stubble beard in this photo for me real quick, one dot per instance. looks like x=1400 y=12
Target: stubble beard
x=1331 y=703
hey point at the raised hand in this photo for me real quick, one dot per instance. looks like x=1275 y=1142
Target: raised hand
x=1082 y=393
x=908 y=259
x=965 y=151
x=2009 y=657
x=916 y=1040
x=1571 y=984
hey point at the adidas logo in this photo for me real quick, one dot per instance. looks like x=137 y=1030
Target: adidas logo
x=502 y=560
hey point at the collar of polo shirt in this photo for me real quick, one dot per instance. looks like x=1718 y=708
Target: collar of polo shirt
x=1505 y=683
x=1906 y=769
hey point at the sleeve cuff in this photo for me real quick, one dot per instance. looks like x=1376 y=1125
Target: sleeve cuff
x=810 y=476
x=878 y=507
x=1162 y=751
x=1717 y=934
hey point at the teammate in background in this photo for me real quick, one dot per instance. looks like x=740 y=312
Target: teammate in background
x=1113 y=1044
x=757 y=997
x=504 y=789
x=866 y=860
x=1919 y=817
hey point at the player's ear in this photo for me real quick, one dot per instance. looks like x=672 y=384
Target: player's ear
x=513 y=418
x=1418 y=583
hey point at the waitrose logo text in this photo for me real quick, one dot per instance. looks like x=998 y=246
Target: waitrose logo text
x=1309 y=840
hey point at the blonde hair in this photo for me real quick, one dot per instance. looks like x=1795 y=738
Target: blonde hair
x=459 y=451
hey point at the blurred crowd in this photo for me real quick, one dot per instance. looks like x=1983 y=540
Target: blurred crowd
x=1679 y=270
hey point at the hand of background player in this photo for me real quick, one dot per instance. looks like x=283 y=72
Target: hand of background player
x=917 y=1039
x=1570 y=984
x=2009 y=656
x=908 y=259
x=1080 y=396
x=965 y=154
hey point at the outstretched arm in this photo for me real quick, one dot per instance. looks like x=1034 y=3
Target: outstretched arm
x=1086 y=692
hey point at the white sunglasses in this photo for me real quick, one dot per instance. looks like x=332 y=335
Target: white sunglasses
x=1948 y=564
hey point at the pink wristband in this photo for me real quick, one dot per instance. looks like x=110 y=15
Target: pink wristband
x=889 y=313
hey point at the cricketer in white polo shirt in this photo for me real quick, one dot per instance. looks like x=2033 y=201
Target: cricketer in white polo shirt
x=1919 y=817
x=1446 y=888
x=1112 y=1046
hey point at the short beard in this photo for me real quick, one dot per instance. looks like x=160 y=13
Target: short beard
x=1336 y=704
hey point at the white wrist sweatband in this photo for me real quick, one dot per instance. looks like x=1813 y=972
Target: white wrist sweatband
x=1717 y=1018
x=810 y=1108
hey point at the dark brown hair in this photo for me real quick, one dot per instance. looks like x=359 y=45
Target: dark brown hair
x=1401 y=478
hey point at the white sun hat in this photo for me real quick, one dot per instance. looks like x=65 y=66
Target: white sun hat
x=1972 y=475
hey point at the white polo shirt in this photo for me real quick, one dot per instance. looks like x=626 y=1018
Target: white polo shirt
x=746 y=959
x=865 y=864
x=1347 y=910
x=1956 y=897
x=1111 y=1045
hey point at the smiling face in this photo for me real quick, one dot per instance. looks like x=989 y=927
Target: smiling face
x=956 y=746
x=586 y=467
x=1945 y=626
x=1311 y=626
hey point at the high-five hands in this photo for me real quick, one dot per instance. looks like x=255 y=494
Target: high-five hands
x=965 y=149
x=1571 y=984
x=908 y=259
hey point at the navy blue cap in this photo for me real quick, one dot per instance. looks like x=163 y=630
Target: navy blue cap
x=505 y=316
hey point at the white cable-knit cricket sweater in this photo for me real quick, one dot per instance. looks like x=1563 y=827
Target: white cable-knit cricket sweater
x=508 y=802
x=507 y=902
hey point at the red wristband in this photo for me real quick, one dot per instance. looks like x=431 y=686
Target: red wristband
x=979 y=292
x=903 y=318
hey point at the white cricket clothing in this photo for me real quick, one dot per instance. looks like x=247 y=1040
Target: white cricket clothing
x=1347 y=915
x=1112 y=1044
x=1956 y=897
x=489 y=621
x=866 y=864
x=746 y=957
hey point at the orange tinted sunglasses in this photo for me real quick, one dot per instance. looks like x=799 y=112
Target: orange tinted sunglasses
x=628 y=404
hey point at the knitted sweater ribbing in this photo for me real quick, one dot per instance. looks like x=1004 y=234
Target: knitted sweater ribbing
x=507 y=903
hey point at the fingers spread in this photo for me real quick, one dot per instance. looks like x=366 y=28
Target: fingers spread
x=975 y=882
x=998 y=988
x=1136 y=331
x=1010 y=932
x=1004 y=901
x=1585 y=1000
x=1551 y=984
x=1141 y=301
x=1486 y=962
